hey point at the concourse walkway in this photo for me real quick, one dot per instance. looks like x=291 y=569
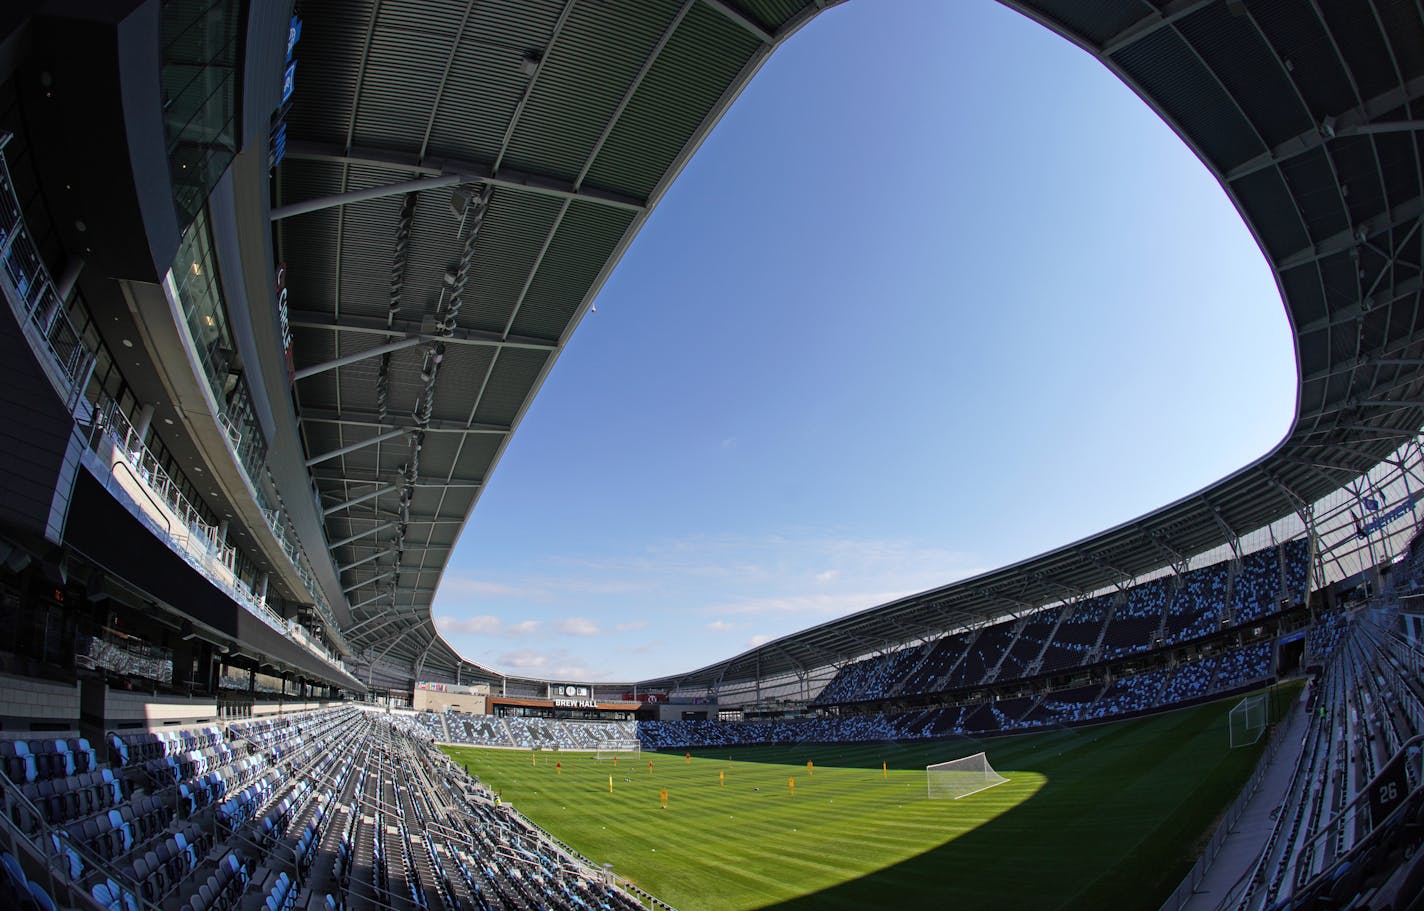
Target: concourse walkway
x=1243 y=845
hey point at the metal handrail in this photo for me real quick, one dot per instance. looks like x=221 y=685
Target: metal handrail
x=91 y=859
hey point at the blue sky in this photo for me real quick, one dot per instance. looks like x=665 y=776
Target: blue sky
x=939 y=293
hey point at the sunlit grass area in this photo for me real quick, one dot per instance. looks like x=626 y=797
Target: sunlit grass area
x=1108 y=816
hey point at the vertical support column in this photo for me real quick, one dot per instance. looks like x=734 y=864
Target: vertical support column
x=65 y=285
x=144 y=421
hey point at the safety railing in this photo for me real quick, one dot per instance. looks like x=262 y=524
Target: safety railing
x=31 y=293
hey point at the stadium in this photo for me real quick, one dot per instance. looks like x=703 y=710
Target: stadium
x=283 y=279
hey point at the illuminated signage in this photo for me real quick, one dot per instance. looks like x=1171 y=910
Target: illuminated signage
x=277 y=138
x=283 y=323
x=575 y=703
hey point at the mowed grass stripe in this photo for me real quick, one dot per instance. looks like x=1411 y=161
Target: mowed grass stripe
x=1108 y=816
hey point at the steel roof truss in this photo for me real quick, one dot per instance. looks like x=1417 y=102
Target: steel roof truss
x=465 y=172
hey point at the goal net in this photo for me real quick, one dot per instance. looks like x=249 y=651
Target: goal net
x=1247 y=721
x=610 y=748
x=961 y=777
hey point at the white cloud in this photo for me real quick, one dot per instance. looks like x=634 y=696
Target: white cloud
x=579 y=626
x=554 y=664
x=754 y=641
x=485 y=625
x=630 y=625
x=828 y=576
x=721 y=626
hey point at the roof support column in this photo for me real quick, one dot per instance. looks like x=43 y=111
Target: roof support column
x=390 y=189
x=360 y=444
x=409 y=341
x=361 y=534
x=389 y=488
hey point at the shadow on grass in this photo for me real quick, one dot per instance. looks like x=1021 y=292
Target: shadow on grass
x=1115 y=827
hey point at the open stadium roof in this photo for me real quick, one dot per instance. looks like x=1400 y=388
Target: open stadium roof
x=461 y=177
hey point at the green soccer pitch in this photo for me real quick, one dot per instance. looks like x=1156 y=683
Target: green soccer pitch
x=1109 y=816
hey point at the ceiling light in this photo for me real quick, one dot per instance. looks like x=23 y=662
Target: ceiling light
x=168 y=421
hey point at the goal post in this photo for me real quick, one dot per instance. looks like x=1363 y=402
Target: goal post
x=1247 y=721
x=961 y=777
x=611 y=748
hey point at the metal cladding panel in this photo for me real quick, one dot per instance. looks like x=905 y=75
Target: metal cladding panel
x=771 y=14
x=586 y=238
x=509 y=385
x=459 y=383
x=515 y=229
x=404 y=66
x=487 y=77
x=1234 y=49
x=475 y=458
x=1277 y=223
x=330 y=57
x=1097 y=21
x=1172 y=74
x=1311 y=181
x=581 y=81
x=1399 y=156
x=1301 y=286
x=1357 y=166
x=1297 y=35
x=1356 y=33
x=1400 y=20
x=681 y=90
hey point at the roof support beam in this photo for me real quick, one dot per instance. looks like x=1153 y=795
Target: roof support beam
x=355 y=501
x=370 y=477
x=372 y=419
x=421 y=519
x=631 y=91
x=736 y=16
x=364 y=560
x=361 y=534
x=1149 y=24
x=385 y=575
x=309 y=319
x=457 y=172
x=1341 y=241
x=360 y=444
x=409 y=341
x=353 y=196
x=1357 y=121
x=371 y=600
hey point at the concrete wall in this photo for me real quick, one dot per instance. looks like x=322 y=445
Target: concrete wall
x=125 y=710
x=24 y=702
x=430 y=701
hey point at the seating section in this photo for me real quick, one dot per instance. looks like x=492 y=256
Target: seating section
x=1325 y=851
x=38 y=760
x=871 y=678
x=1136 y=623
x=926 y=677
x=1195 y=608
x=982 y=656
x=1021 y=659
x=1257 y=589
x=333 y=809
x=1168 y=611
x=1077 y=637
